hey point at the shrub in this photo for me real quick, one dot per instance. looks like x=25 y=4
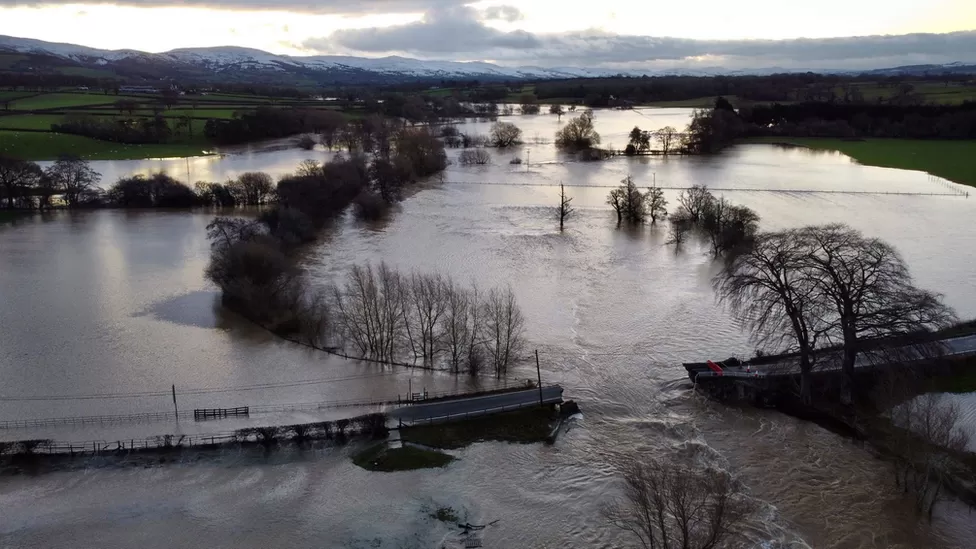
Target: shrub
x=472 y=157
x=370 y=206
x=306 y=142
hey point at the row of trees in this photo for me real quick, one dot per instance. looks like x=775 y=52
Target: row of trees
x=640 y=140
x=386 y=315
x=633 y=206
x=24 y=185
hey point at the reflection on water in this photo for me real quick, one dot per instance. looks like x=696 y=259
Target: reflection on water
x=108 y=302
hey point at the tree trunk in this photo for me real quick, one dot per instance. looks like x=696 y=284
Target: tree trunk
x=806 y=390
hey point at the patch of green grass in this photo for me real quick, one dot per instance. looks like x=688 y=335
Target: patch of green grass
x=952 y=160
x=48 y=146
x=408 y=458
x=58 y=100
x=521 y=426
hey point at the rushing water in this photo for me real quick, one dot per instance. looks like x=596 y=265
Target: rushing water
x=112 y=302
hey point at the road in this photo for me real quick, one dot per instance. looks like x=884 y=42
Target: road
x=479 y=405
x=956 y=346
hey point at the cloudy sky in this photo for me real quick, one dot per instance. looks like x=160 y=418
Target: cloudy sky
x=630 y=34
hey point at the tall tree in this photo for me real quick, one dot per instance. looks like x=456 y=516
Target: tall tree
x=768 y=289
x=870 y=292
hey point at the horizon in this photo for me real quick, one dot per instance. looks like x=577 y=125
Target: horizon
x=626 y=36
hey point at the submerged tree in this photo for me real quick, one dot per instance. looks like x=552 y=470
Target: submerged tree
x=505 y=134
x=667 y=506
x=695 y=201
x=628 y=202
x=578 y=133
x=667 y=137
x=565 y=209
x=557 y=110
x=657 y=205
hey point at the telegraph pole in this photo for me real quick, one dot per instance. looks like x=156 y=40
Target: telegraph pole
x=176 y=411
x=538 y=374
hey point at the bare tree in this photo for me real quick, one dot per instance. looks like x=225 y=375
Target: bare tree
x=870 y=292
x=666 y=506
x=17 y=178
x=456 y=325
x=252 y=188
x=657 y=205
x=429 y=299
x=681 y=225
x=729 y=227
x=768 y=289
x=505 y=134
x=309 y=168
x=565 y=209
x=74 y=178
x=927 y=431
x=504 y=327
x=557 y=110
x=696 y=201
x=667 y=137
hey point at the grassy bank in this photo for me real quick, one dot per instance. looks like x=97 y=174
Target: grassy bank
x=48 y=146
x=407 y=458
x=522 y=426
x=952 y=160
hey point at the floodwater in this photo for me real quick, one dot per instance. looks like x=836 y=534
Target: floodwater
x=96 y=304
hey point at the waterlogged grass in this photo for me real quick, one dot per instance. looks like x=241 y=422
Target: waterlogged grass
x=45 y=146
x=952 y=160
x=522 y=426
x=408 y=458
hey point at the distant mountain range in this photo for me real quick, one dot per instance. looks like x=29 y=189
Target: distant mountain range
x=235 y=64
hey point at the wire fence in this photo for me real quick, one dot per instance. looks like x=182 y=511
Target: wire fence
x=150 y=417
x=951 y=191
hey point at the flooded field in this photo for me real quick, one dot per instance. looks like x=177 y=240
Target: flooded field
x=98 y=304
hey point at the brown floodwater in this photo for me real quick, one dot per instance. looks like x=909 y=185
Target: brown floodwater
x=112 y=302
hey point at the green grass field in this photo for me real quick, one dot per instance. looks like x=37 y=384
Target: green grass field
x=29 y=121
x=58 y=100
x=46 y=146
x=953 y=160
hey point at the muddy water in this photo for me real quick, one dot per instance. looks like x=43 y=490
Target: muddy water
x=114 y=302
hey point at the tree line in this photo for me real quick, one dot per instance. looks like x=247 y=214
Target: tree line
x=711 y=130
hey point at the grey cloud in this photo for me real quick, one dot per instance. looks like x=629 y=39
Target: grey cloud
x=339 y=7
x=502 y=13
x=441 y=32
x=459 y=33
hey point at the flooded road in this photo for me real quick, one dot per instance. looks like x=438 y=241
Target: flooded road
x=109 y=302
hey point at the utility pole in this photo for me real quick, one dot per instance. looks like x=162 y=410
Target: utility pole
x=538 y=374
x=176 y=410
